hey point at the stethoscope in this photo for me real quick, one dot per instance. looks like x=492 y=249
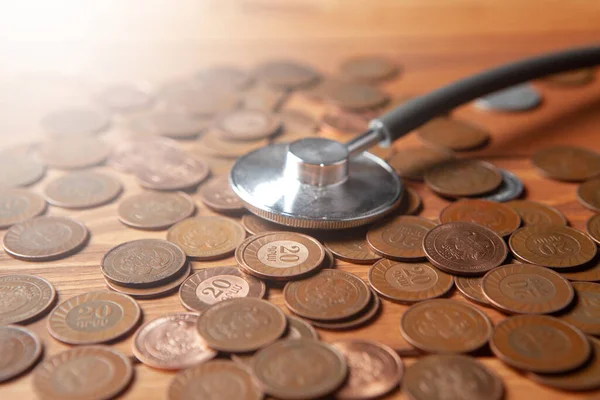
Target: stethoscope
x=318 y=183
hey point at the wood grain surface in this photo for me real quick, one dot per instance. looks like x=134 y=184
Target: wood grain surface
x=79 y=46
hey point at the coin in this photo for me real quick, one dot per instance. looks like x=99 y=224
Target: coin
x=453 y=134
x=84 y=189
x=20 y=349
x=411 y=202
x=339 y=121
x=373 y=369
x=219 y=379
x=224 y=77
x=124 y=97
x=101 y=374
x=533 y=213
x=495 y=216
x=143 y=262
x=298 y=329
x=351 y=246
x=285 y=74
x=362 y=318
x=172 y=124
x=154 y=291
x=327 y=296
x=470 y=287
x=218 y=195
x=173 y=172
x=592 y=227
x=586 y=377
x=280 y=255
x=451 y=376
x=255 y=225
x=212 y=145
x=523 y=97
x=209 y=286
x=136 y=151
x=413 y=162
x=445 y=326
x=587 y=194
x=247 y=124
x=18 y=205
x=24 y=298
x=567 y=163
x=526 y=289
x=207 y=237
x=510 y=188
x=73 y=152
x=171 y=342
x=577 y=77
x=408 y=282
x=264 y=97
x=75 y=121
x=19 y=170
x=464 y=248
x=539 y=343
x=297 y=121
x=400 y=238
x=44 y=238
x=197 y=100
x=155 y=210
x=464 y=177
x=553 y=246
x=94 y=317
x=356 y=96
x=242 y=324
x=368 y=68
x=306 y=369
x=589 y=272
x=585 y=314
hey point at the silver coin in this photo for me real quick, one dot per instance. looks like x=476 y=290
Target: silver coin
x=510 y=188
x=522 y=97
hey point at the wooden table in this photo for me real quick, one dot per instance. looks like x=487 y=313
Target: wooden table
x=435 y=41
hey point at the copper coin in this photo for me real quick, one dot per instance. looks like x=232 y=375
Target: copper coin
x=400 y=238
x=553 y=246
x=18 y=205
x=498 y=217
x=264 y=97
x=453 y=377
x=19 y=170
x=247 y=124
x=124 y=97
x=362 y=318
x=20 y=349
x=453 y=134
x=567 y=163
x=587 y=194
x=209 y=286
x=171 y=342
x=173 y=173
x=218 y=195
x=298 y=329
x=585 y=314
x=73 y=153
x=297 y=121
x=408 y=282
x=306 y=369
x=207 y=237
x=172 y=124
x=134 y=153
x=356 y=96
x=351 y=246
x=155 y=210
x=533 y=213
x=211 y=144
x=464 y=177
x=339 y=121
x=255 y=225
x=368 y=68
x=526 y=289
x=464 y=248
x=44 y=238
x=411 y=202
x=75 y=121
x=287 y=75
x=445 y=326
x=592 y=227
x=586 y=377
x=412 y=163
x=143 y=262
x=87 y=372
x=470 y=287
x=577 y=77
x=589 y=272
x=539 y=343
x=242 y=324
x=200 y=101
x=280 y=255
x=84 y=189
x=373 y=369
x=94 y=317
x=329 y=295
x=154 y=291
x=24 y=298
x=224 y=77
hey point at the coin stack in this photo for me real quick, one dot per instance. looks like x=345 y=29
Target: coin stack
x=179 y=143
